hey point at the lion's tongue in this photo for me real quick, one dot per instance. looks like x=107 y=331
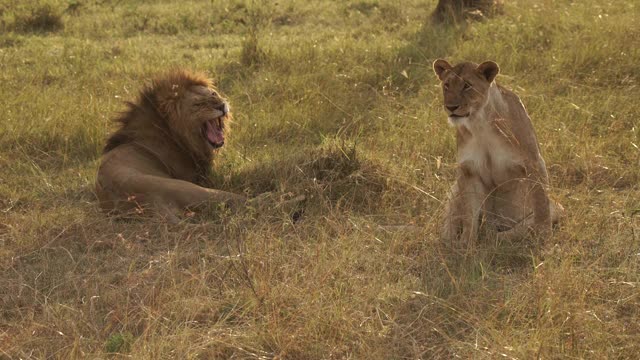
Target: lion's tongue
x=214 y=134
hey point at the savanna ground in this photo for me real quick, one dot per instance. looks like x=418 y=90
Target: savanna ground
x=337 y=101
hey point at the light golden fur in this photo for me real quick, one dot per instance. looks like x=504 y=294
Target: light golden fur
x=502 y=178
x=160 y=156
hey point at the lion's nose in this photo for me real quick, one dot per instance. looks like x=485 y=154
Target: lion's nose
x=452 y=108
x=223 y=107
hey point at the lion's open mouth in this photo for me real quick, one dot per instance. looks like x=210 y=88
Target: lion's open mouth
x=214 y=133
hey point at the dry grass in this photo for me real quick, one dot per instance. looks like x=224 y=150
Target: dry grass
x=336 y=101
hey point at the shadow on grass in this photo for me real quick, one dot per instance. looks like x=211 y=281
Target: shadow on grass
x=333 y=175
x=51 y=150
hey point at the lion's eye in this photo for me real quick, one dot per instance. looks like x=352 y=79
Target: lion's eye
x=446 y=86
x=467 y=86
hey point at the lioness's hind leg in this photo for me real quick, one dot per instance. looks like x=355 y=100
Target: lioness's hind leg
x=518 y=231
x=524 y=227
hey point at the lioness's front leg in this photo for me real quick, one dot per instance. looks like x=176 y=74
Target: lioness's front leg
x=475 y=195
x=464 y=209
x=452 y=224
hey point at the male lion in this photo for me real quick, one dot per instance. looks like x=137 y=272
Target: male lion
x=164 y=147
x=502 y=178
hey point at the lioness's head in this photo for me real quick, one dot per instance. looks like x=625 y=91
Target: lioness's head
x=465 y=87
x=193 y=108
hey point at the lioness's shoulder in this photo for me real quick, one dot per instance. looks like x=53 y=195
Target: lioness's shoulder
x=508 y=95
x=513 y=103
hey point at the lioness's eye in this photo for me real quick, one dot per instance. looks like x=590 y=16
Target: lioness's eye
x=446 y=86
x=467 y=86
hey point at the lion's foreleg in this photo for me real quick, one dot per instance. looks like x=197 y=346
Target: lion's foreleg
x=183 y=194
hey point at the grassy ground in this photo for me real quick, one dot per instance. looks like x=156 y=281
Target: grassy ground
x=335 y=100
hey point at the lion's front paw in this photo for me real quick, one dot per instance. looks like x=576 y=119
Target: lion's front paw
x=293 y=207
x=260 y=200
x=281 y=202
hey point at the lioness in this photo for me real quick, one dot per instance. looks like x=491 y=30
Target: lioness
x=502 y=178
x=160 y=155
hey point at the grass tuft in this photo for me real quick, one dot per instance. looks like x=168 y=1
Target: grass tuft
x=40 y=17
x=119 y=343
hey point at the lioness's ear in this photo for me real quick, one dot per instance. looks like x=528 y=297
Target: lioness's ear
x=489 y=70
x=440 y=66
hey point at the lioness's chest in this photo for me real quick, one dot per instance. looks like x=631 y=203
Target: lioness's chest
x=489 y=155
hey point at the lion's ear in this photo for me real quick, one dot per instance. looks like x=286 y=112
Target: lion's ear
x=489 y=70
x=440 y=66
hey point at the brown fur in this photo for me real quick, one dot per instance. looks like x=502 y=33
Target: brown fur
x=161 y=150
x=502 y=177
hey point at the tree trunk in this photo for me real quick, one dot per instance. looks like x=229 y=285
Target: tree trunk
x=455 y=10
